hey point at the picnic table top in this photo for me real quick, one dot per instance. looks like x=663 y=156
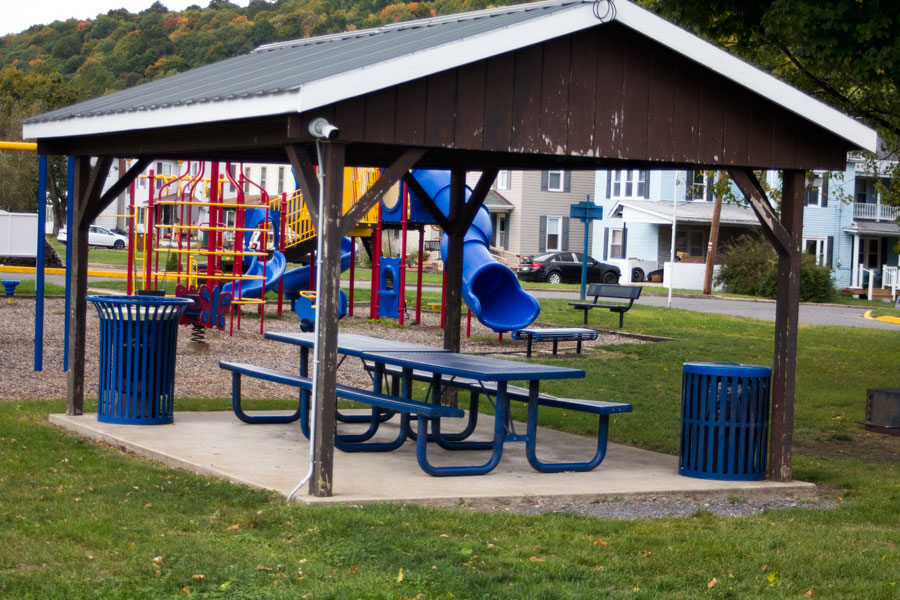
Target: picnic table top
x=351 y=343
x=473 y=366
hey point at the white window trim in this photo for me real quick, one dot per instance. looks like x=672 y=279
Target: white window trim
x=818 y=203
x=503 y=180
x=559 y=233
x=821 y=248
x=697 y=190
x=562 y=181
x=618 y=183
x=610 y=244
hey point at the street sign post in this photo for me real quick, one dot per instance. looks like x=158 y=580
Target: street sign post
x=585 y=212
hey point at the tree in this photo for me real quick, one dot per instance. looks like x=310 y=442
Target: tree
x=845 y=52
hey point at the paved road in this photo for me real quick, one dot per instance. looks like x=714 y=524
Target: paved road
x=810 y=314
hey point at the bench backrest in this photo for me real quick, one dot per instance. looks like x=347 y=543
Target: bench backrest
x=611 y=290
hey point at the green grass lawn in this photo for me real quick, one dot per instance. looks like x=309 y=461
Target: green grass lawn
x=82 y=520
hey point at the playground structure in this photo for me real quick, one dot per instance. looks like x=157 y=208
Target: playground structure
x=247 y=242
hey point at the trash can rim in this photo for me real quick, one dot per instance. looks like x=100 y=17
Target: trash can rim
x=726 y=368
x=139 y=300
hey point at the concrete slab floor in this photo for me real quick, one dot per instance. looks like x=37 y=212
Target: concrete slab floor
x=276 y=457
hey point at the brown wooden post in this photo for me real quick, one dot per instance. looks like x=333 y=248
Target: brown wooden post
x=786 y=320
x=78 y=288
x=86 y=205
x=454 y=263
x=321 y=483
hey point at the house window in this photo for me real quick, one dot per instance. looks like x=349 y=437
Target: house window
x=158 y=179
x=262 y=177
x=232 y=171
x=280 y=180
x=555 y=181
x=502 y=180
x=816 y=191
x=616 y=237
x=553 y=233
x=862 y=191
x=246 y=180
x=629 y=184
x=698 y=186
x=817 y=247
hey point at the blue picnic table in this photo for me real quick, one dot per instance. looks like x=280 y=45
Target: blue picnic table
x=445 y=367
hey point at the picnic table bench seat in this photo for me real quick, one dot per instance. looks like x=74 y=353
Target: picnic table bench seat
x=555 y=335
x=597 y=407
x=346 y=442
x=609 y=291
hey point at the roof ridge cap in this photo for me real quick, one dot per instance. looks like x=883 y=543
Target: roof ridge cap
x=417 y=23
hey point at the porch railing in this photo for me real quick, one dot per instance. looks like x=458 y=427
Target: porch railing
x=889 y=279
x=875 y=212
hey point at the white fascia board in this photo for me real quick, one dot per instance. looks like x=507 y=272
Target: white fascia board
x=186 y=114
x=745 y=74
x=447 y=56
x=634 y=214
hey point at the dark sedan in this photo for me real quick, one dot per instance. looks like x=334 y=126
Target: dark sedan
x=565 y=267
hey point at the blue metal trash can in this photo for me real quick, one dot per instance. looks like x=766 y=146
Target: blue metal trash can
x=138 y=337
x=724 y=421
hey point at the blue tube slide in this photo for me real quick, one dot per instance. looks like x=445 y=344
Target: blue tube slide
x=490 y=288
x=297 y=279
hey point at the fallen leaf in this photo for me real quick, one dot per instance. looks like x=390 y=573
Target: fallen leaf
x=712 y=583
x=158 y=559
x=810 y=593
x=353 y=569
x=186 y=589
x=262 y=568
x=536 y=559
x=646 y=554
x=400 y=576
x=602 y=543
x=200 y=577
x=234 y=527
x=444 y=535
x=766 y=568
x=282 y=575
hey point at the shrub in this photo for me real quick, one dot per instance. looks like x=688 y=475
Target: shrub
x=750 y=266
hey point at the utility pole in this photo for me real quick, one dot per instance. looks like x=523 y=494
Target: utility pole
x=711 y=249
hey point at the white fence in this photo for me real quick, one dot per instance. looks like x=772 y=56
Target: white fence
x=687 y=276
x=18 y=234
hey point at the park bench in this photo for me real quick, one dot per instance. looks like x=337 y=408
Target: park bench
x=610 y=291
x=347 y=443
x=555 y=335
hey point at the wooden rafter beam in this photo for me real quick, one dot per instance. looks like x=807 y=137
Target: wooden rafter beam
x=427 y=201
x=306 y=178
x=389 y=177
x=476 y=199
x=775 y=231
x=124 y=181
x=90 y=207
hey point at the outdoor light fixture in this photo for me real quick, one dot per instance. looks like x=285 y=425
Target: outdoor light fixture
x=321 y=129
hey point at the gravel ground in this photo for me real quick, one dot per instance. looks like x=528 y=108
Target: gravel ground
x=198 y=376
x=197 y=373
x=653 y=507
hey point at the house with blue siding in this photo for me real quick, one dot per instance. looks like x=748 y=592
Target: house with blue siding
x=845 y=224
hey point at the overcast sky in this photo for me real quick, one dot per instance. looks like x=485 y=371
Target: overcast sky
x=32 y=12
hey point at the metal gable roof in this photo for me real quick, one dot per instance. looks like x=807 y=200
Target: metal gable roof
x=292 y=77
x=285 y=67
